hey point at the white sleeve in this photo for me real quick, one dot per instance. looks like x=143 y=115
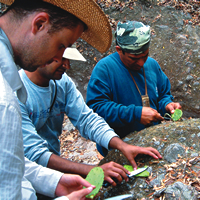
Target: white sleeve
x=11 y=152
x=43 y=180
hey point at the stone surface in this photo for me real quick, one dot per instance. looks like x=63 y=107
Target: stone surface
x=172 y=152
x=176 y=176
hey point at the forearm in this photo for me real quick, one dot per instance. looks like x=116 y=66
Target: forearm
x=116 y=114
x=67 y=166
x=164 y=92
x=116 y=143
x=100 y=99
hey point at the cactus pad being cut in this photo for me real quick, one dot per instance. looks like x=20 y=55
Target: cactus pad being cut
x=177 y=115
x=95 y=177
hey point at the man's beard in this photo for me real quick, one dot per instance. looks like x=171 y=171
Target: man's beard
x=26 y=64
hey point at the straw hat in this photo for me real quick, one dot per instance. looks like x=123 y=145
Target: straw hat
x=99 y=33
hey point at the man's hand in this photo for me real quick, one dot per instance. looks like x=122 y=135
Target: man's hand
x=150 y=115
x=116 y=171
x=171 y=107
x=131 y=151
x=80 y=194
x=73 y=185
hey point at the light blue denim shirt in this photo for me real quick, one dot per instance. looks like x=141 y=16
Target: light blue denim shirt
x=41 y=128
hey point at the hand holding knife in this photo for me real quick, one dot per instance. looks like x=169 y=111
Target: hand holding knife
x=133 y=173
x=137 y=171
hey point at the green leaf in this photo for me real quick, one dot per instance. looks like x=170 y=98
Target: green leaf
x=142 y=174
x=177 y=115
x=95 y=177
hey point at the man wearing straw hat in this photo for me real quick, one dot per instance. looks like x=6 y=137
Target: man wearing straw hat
x=128 y=88
x=35 y=33
x=32 y=34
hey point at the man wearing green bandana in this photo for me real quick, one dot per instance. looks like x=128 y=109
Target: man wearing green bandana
x=128 y=88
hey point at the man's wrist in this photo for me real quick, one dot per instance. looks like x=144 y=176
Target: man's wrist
x=116 y=143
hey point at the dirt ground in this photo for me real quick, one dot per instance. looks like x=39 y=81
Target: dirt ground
x=76 y=148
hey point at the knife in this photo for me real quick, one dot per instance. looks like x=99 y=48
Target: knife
x=119 y=197
x=133 y=173
x=137 y=171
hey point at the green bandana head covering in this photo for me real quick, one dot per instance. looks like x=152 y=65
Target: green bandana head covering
x=133 y=37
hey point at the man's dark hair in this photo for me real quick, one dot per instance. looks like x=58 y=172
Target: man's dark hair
x=58 y=17
x=123 y=51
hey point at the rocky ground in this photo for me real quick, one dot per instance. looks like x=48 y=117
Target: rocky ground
x=176 y=176
x=175 y=26
x=77 y=148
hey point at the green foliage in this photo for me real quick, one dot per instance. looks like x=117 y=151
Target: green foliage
x=95 y=177
x=142 y=174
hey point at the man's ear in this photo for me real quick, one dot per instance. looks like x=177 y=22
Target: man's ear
x=40 y=22
x=118 y=49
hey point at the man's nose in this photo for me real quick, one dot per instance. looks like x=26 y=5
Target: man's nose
x=141 y=62
x=58 y=56
x=66 y=63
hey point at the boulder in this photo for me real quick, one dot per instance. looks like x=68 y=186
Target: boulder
x=176 y=176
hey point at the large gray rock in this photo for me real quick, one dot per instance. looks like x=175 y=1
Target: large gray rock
x=172 y=151
x=176 y=176
x=181 y=191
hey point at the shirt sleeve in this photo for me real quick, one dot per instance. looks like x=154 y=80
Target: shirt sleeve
x=43 y=180
x=11 y=152
x=100 y=97
x=164 y=91
x=90 y=125
x=35 y=147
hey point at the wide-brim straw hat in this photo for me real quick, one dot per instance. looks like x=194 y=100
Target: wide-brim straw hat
x=99 y=33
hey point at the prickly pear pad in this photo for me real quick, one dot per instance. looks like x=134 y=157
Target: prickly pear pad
x=177 y=115
x=95 y=177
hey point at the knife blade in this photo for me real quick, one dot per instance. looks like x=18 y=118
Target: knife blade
x=119 y=197
x=137 y=171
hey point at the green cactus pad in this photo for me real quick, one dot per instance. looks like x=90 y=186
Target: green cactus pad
x=95 y=177
x=177 y=115
x=142 y=174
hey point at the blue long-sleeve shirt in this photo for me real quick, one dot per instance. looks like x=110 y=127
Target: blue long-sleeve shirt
x=41 y=128
x=113 y=95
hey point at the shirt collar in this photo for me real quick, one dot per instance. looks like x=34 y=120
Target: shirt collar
x=9 y=69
